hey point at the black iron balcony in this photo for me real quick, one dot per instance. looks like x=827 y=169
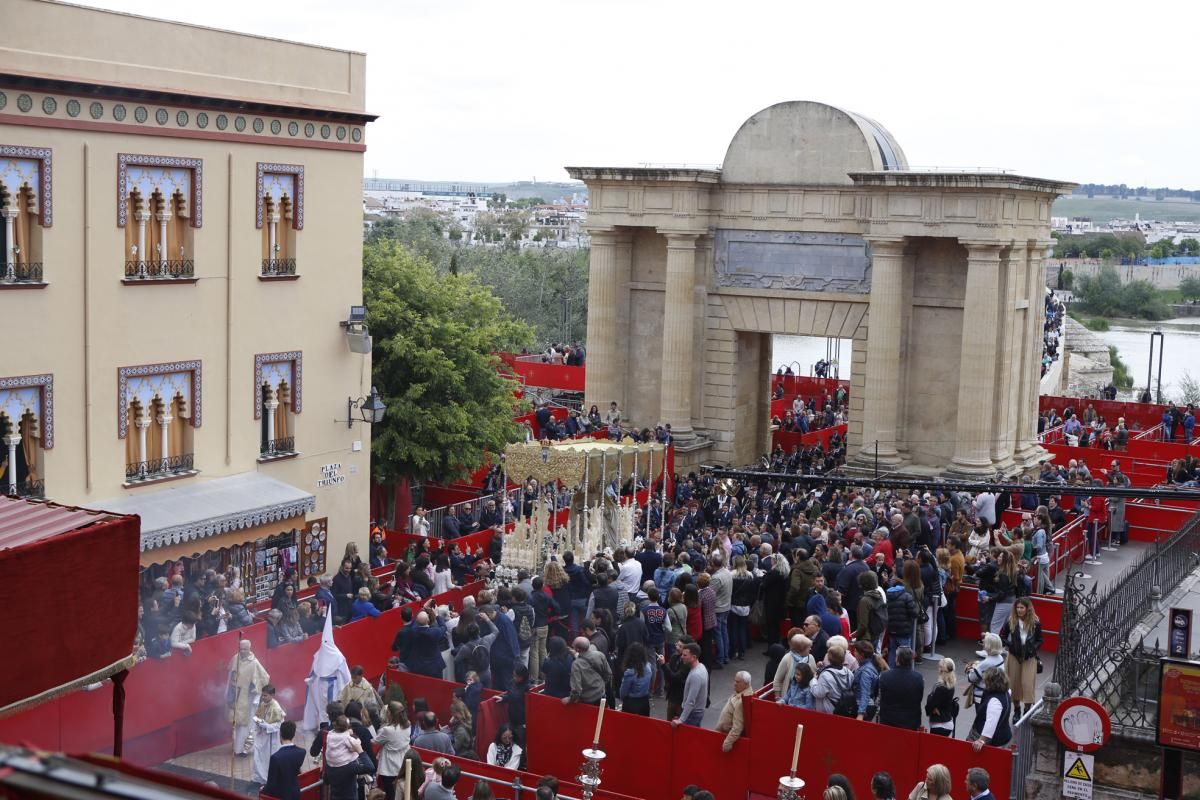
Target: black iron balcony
x=32 y=490
x=184 y=269
x=158 y=468
x=21 y=273
x=273 y=448
x=278 y=266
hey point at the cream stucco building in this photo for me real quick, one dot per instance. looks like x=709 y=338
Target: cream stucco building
x=181 y=239
x=815 y=225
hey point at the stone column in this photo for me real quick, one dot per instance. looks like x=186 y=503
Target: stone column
x=269 y=408
x=882 y=401
x=1028 y=451
x=163 y=256
x=604 y=379
x=164 y=428
x=977 y=426
x=11 y=442
x=10 y=255
x=141 y=256
x=272 y=244
x=143 y=424
x=1009 y=366
x=678 y=333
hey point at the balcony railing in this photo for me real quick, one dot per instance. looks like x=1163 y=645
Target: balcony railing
x=284 y=446
x=160 y=270
x=21 y=273
x=278 y=266
x=159 y=468
x=33 y=490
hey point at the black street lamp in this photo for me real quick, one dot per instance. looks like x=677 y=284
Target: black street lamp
x=370 y=408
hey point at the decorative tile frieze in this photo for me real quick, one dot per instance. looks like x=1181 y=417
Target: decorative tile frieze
x=169 y=118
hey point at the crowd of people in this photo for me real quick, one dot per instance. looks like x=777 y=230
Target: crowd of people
x=846 y=588
x=812 y=414
x=576 y=423
x=1056 y=312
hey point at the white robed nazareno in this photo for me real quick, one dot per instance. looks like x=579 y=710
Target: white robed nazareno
x=247 y=677
x=328 y=676
x=266 y=736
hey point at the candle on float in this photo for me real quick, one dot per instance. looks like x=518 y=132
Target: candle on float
x=796 y=749
x=599 y=721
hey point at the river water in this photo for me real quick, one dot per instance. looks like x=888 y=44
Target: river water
x=1181 y=351
x=807 y=350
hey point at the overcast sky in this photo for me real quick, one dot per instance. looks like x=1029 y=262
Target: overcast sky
x=508 y=90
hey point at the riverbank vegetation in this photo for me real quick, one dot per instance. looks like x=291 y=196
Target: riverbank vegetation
x=1121 y=377
x=1104 y=295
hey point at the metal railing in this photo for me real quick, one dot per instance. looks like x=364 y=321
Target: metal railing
x=1096 y=626
x=279 y=266
x=159 y=270
x=159 y=468
x=474 y=506
x=32 y=490
x=283 y=446
x=21 y=273
x=1023 y=752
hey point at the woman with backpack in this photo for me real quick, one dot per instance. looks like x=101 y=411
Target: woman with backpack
x=833 y=683
x=941 y=706
x=866 y=679
x=872 y=610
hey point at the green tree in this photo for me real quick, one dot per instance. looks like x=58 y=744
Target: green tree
x=1100 y=293
x=1066 y=279
x=1189 y=287
x=1190 y=247
x=433 y=364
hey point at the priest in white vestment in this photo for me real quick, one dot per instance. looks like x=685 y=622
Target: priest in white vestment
x=267 y=719
x=247 y=677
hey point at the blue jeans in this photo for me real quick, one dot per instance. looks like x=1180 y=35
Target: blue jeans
x=739 y=634
x=894 y=644
x=722 y=637
x=696 y=718
x=578 y=611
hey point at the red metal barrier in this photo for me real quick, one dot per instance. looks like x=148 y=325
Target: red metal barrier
x=1145 y=415
x=1047 y=607
x=790 y=439
x=807 y=386
x=177 y=705
x=497 y=777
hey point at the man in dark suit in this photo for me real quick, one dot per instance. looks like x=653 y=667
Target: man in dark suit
x=978 y=784
x=900 y=693
x=283 y=772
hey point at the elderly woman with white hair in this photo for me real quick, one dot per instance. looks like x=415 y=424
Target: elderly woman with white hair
x=993 y=656
x=733 y=720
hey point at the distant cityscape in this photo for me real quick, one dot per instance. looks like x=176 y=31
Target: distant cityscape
x=526 y=213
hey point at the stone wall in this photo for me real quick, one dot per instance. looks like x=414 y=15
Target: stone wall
x=1164 y=276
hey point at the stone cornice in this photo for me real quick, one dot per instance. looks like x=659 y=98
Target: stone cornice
x=986 y=181
x=645 y=174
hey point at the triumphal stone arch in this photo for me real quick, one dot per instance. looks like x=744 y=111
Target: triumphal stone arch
x=815 y=225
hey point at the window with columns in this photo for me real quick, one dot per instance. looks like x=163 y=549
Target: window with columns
x=159 y=406
x=159 y=207
x=279 y=214
x=278 y=380
x=26 y=430
x=24 y=206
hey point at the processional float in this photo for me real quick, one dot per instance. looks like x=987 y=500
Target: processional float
x=601 y=478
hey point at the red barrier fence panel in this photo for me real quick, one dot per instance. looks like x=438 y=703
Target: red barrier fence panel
x=177 y=705
x=959 y=756
x=498 y=776
x=1047 y=607
x=563 y=731
x=696 y=757
x=1145 y=415
x=831 y=744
